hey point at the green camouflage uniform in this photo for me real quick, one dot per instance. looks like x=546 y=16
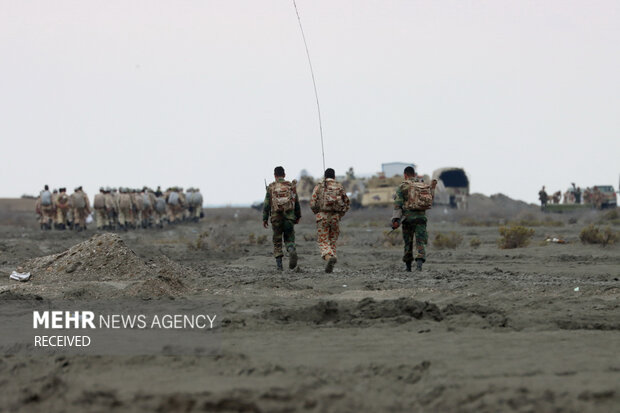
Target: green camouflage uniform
x=282 y=223
x=413 y=223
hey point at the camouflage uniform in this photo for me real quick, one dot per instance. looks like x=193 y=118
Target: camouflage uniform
x=124 y=209
x=47 y=211
x=413 y=223
x=81 y=208
x=101 y=215
x=63 y=206
x=328 y=222
x=282 y=223
x=111 y=208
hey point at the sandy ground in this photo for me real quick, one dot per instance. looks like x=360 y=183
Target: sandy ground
x=478 y=330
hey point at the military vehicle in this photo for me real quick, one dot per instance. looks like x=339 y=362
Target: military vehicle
x=452 y=187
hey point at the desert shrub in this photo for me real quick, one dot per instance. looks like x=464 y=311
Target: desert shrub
x=261 y=239
x=392 y=238
x=514 y=236
x=572 y=220
x=610 y=217
x=475 y=242
x=252 y=238
x=449 y=240
x=594 y=235
x=310 y=237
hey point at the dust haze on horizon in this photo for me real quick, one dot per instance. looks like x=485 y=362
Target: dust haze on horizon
x=215 y=94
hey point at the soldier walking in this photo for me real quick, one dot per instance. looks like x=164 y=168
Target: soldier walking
x=101 y=215
x=543 y=197
x=46 y=208
x=81 y=208
x=413 y=198
x=329 y=203
x=63 y=207
x=282 y=204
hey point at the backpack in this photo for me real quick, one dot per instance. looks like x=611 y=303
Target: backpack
x=124 y=201
x=331 y=199
x=173 y=198
x=99 y=202
x=78 y=201
x=46 y=198
x=282 y=197
x=197 y=199
x=138 y=202
x=63 y=201
x=146 y=201
x=160 y=205
x=419 y=197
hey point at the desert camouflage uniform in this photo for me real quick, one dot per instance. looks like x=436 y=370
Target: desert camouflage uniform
x=413 y=223
x=138 y=203
x=80 y=212
x=101 y=215
x=124 y=209
x=47 y=211
x=328 y=222
x=63 y=207
x=282 y=223
x=111 y=208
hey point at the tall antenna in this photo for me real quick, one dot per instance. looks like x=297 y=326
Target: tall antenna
x=316 y=94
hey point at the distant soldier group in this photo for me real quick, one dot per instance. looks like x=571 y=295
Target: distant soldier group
x=120 y=209
x=574 y=195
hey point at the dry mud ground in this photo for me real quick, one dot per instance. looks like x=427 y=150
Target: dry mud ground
x=479 y=330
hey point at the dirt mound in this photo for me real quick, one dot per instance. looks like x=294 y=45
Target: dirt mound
x=399 y=310
x=105 y=257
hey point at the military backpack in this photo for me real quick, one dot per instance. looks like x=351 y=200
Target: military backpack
x=419 y=196
x=173 y=198
x=146 y=201
x=46 y=198
x=331 y=197
x=99 y=201
x=78 y=201
x=282 y=196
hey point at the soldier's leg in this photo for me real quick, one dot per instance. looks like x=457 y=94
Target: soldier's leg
x=322 y=237
x=278 y=230
x=289 y=242
x=334 y=232
x=408 y=230
x=421 y=239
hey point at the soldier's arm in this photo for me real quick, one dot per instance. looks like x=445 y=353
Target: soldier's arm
x=398 y=205
x=266 y=206
x=345 y=199
x=314 y=200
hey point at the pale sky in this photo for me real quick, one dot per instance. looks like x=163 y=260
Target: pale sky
x=216 y=93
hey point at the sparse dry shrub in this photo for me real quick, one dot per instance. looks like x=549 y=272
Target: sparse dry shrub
x=450 y=240
x=514 y=236
x=392 y=238
x=261 y=239
x=252 y=238
x=310 y=237
x=218 y=239
x=594 y=235
x=611 y=217
x=475 y=242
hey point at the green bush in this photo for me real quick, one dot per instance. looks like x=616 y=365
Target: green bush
x=514 y=236
x=475 y=242
x=449 y=240
x=594 y=235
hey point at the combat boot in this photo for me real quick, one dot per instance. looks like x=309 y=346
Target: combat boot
x=330 y=264
x=418 y=264
x=292 y=263
x=408 y=266
x=279 y=263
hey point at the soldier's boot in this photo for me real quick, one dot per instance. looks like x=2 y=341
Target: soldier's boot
x=408 y=266
x=77 y=227
x=61 y=227
x=418 y=264
x=330 y=264
x=292 y=263
x=279 y=263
